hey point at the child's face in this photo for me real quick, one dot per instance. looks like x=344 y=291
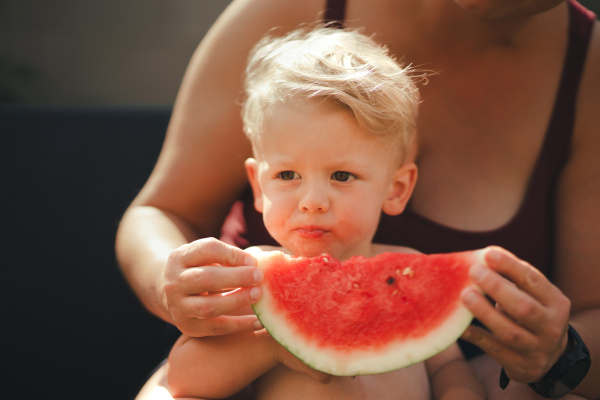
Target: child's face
x=321 y=181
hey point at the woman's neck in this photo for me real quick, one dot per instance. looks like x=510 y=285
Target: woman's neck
x=450 y=25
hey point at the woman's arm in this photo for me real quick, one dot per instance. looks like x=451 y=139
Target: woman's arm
x=578 y=250
x=452 y=377
x=199 y=174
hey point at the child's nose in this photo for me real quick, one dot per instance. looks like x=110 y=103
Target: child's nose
x=314 y=199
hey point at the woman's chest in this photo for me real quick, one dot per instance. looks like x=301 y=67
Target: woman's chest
x=476 y=153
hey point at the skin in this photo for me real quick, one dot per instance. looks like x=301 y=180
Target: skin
x=491 y=100
x=321 y=182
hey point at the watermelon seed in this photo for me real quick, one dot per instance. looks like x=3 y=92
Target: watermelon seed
x=390 y=280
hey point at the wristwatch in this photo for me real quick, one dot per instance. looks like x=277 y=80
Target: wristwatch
x=566 y=374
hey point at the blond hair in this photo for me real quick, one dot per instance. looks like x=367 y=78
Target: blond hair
x=336 y=65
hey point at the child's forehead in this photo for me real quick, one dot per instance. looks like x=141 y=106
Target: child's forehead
x=321 y=134
x=300 y=119
x=315 y=105
x=327 y=116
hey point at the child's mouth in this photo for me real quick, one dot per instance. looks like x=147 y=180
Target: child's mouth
x=311 y=232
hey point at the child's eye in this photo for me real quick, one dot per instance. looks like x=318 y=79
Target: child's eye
x=342 y=176
x=287 y=175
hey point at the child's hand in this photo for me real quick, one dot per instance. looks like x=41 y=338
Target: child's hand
x=199 y=289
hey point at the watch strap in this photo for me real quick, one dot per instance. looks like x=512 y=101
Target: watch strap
x=504 y=379
x=566 y=374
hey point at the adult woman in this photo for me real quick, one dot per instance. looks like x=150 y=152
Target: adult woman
x=483 y=146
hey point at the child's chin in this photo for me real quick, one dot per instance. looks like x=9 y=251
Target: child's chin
x=313 y=251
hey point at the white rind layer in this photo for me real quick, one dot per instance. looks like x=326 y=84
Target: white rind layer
x=394 y=356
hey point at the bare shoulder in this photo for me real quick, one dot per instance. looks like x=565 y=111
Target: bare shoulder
x=388 y=248
x=579 y=194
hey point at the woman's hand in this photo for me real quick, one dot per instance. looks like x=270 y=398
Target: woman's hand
x=201 y=292
x=528 y=326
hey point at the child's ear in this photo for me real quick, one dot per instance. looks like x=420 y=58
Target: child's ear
x=252 y=172
x=401 y=188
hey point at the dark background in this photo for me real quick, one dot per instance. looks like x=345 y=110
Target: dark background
x=70 y=327
x=103 y=52
x=99 y=52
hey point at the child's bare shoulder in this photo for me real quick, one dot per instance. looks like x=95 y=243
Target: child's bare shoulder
x=388 y=248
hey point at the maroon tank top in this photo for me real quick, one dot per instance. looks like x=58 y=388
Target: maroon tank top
x=529 y=234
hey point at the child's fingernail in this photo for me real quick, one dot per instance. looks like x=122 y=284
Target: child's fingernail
x=258 y=276
x=255 y=293
x=478 y=272
x=493 y=254
x=469 y=297
x=257 y=325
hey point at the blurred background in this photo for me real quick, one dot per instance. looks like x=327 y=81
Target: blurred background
x=103 y=52
x=99 y=52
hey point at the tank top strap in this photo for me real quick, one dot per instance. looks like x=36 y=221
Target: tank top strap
x=581 y=22
x=335 y=13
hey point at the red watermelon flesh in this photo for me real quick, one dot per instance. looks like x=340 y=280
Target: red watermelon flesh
x=365 y=315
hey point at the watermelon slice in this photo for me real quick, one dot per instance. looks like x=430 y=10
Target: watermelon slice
x=365 y=315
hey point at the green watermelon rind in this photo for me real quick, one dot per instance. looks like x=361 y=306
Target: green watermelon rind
x=360 y=362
